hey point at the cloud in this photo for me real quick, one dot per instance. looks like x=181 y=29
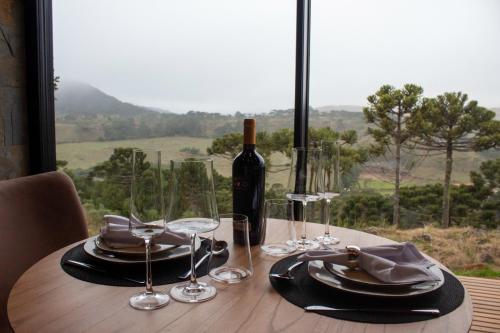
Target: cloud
x=228 y=55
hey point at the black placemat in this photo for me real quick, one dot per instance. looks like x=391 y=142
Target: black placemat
x=303 y=291
x=164 y=272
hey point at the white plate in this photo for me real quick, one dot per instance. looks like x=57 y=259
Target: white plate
x=318 y=272
x=361 y=277
x=136 y=250
x=175 y=252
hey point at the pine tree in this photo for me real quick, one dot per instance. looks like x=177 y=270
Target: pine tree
x=390 y=110
x=450 y=123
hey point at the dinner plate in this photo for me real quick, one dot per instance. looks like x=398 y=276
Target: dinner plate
x=135 y=250
x=175 y=252
x=318 y=272
x=361 y=277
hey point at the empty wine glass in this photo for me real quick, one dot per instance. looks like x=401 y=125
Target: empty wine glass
x=192 y=210
x=233 y=236
x=147 y=218
x=332 y=185
x=278 y=238
x=305 y=185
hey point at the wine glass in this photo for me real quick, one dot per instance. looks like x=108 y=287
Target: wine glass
x=305 y=185
x=192 y=210
x=279 y=228
x=332 y=185
x=147 y=218
x=233 y=236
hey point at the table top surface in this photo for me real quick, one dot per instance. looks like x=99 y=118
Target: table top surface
x=46 y=299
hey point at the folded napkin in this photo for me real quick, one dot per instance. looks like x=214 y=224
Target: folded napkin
x=398 y=263
x=116 y=235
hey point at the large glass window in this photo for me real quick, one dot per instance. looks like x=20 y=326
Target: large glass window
x=168 y=75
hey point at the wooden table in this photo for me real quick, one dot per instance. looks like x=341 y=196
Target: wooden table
x=46 y=299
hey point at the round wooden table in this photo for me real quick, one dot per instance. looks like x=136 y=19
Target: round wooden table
x=46 y=299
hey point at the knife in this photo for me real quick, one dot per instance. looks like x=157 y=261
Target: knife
x=433 y=312
x=198 y=264
x=93 y=268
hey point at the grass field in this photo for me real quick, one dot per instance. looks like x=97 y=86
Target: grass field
x=84 y=155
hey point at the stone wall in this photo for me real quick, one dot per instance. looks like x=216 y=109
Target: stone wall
x=13 y=112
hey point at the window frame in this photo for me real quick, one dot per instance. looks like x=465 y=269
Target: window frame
x=40 y=86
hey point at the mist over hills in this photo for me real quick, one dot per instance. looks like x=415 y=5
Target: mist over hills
x=85 y=113
x=348 y=108
x=79 y=98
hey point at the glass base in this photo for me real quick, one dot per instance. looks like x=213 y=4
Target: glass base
x=305 y=244
x=278 y=250
x=149 y=300
x=229 y=274
x=327 y=240
x=193 y=292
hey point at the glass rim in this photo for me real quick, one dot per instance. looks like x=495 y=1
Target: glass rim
x=232 y=215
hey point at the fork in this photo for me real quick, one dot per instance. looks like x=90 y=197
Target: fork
x=288 y=274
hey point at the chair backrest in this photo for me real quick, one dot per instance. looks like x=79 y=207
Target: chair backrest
x=38 y=215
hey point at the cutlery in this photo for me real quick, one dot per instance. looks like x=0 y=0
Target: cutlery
x=433 y=312
x=218 y=249
x=93 y=268
x=198 y=264
x=288 y=274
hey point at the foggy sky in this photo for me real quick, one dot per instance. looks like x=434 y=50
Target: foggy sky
x=238 y=55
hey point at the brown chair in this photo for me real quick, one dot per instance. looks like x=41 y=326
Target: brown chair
x=38 y=215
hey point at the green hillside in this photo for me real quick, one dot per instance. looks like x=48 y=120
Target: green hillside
x=90 y=123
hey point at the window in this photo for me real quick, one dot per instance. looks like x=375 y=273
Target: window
x=171 y=76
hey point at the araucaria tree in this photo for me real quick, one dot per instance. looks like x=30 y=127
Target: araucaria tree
x=450 y=123
x=390 y=110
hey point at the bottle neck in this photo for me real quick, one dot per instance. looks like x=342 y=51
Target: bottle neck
x=249 y=135
x=248 y=146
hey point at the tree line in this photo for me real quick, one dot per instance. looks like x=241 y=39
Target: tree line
x=400 y=120
x=105 y=189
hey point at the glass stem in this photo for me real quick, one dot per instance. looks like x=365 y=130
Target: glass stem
x=327 y=217
x=193 y=269
x=149 y=279
x=304 y=231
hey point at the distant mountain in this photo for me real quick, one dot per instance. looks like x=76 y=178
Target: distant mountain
x=348 y=108
x=77 y=98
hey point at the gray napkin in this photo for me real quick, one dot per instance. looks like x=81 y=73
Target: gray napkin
x=398 y=263
x=116 y=235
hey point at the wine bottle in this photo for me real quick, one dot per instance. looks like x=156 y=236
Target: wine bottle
x=248 y=185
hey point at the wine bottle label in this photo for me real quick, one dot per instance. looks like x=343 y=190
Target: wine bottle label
x=240 y=184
